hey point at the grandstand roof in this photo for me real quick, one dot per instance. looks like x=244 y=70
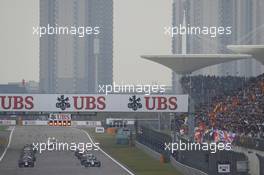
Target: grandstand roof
x=257 y=51
x=188 y=63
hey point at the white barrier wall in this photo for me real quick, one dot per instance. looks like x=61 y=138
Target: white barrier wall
x=184 y=169
x=7 y=122
x=35 y=122
x=87 y=123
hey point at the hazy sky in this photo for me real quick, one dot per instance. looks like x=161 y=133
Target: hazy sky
x=138 y=29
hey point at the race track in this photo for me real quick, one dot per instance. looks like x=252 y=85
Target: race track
x=53 y=162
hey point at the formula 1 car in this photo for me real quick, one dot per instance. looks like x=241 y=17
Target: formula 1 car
x=29 y=152
x=27 y=157
x=86 y=157
x=91 y=162
x=26 y=161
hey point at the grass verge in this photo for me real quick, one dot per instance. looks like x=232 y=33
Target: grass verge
x=132 y=157
x=3 y=128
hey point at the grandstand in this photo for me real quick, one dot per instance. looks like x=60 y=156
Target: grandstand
x=228 y=105
x=224 y=109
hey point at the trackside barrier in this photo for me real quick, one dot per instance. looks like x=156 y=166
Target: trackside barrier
x=89 y=124
x=35 y=122
x=149 y=151
x=184 y=169
x=195 y=161
x=261 y=162
x=251 y=143
x=254 y=163
x=7 y=122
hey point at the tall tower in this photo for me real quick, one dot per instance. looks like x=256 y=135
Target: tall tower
x=47 y=66
x=73 y=64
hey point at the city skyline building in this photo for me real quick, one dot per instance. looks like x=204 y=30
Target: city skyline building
x=73 y=64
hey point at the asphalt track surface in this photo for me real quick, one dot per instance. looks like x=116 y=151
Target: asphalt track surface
x=53 y=162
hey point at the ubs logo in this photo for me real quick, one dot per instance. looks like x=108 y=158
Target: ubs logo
x=134 y=103
x=63 y=103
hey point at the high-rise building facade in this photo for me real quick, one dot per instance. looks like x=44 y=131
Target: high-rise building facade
x=245 y=17
x=70 y=63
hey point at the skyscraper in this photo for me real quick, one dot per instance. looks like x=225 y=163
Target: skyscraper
x=73 y=64
x=245 y=17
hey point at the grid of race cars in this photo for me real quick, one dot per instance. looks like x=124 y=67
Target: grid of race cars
x=28 y=157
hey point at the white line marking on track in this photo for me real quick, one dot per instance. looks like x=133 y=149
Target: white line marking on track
x=9 y=142
x=119 y=164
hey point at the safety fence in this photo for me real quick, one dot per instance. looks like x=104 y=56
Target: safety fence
x=252 y=143
x=205 y=162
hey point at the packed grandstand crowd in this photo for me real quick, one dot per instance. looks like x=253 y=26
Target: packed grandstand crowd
x=228 y=104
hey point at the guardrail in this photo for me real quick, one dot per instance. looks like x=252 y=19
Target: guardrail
x=252 y=143
x=184 y=169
